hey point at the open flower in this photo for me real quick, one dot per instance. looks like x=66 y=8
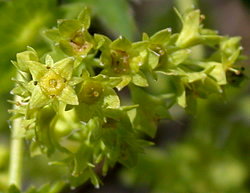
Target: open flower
x=123 y=59
x=52 y=81
x=72 y=35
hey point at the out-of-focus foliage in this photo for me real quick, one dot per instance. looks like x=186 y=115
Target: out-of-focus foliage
x=212 y=157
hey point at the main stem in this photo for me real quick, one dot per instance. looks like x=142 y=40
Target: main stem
x=16 y=153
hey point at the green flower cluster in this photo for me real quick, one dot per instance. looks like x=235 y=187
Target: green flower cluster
x=70 y=106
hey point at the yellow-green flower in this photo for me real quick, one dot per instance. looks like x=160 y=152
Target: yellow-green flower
x=72 y=35
x=123 y=59
x=53 y=81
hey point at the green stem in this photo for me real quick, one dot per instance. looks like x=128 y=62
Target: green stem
x=16 y=153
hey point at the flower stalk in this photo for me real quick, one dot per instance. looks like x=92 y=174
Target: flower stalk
x=16 y=152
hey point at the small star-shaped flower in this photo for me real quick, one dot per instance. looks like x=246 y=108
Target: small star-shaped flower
x=53 y=81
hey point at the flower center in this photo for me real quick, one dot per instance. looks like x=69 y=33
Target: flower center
x=120 y=62
x=79 y=44
x=52 y=84
x=91 y=91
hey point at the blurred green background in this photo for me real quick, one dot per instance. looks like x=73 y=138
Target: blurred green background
x=207 y=151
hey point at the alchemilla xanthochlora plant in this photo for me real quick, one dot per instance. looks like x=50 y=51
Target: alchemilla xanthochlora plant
x=67 y=102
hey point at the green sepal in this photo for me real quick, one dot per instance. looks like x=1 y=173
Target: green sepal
x=230 y=51
x=34 y=149
x=36 y=69
x=64 y=67
x=139 y=46
x=52 y=34
x=179 y=56
x=111 y=99
x=181 y=95
x=108 y=81
x=153 y=59
x=139 y=79
x=161 y=37
x=68 y=28
x=121 y=43
x=101 y=40
x=125 y=81
x=38 y=98
x=216 y=70
x=84 y=18
x=48 y=60
x=145 y=36
x=24 y=57
x=68 y=96
x=67 y=48
x=75 y=80
x=189 y=35
x=138 y=61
